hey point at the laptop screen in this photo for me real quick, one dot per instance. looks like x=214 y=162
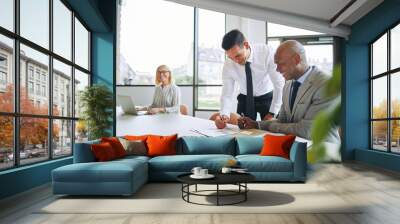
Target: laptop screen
x=127 y=104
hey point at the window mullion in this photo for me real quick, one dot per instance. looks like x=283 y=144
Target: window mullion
x=73 y=82
x=389 y=101
x=195 y=61
x=16 y=85
x=50 y=81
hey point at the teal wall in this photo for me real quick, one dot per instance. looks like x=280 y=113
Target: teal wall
x=24 y=178
x=104 y=51
x=380 y=159
x=99 y=16
x=102 y=58
x=356 y=85
x=102 y=63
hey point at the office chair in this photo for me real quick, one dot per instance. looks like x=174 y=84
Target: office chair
x=184 y=109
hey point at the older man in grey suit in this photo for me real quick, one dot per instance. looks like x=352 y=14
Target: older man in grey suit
x=303 y=95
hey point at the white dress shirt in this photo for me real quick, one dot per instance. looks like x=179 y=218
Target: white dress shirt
x=264 y=76
x=168 y=97
x=305 y=75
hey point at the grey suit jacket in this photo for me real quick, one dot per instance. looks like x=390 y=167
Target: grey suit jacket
x=309 y=101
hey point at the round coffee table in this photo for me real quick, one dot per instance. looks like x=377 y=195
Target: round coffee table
x=238 y=179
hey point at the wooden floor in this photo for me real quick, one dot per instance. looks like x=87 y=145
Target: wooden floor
x=378 y=188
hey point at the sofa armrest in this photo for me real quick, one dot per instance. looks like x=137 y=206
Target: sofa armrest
x=298 y=155
x=83 y=152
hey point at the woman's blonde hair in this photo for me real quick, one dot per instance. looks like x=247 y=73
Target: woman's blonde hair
x=158 y=74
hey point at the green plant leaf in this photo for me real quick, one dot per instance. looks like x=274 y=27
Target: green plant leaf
x=327 y=119
x=316 y=153
x=337 y=114
x=320 y=127
x=333 y=86
x=96 y=102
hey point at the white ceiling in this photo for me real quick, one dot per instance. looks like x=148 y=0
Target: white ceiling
x=315 y=15
x=319 y=9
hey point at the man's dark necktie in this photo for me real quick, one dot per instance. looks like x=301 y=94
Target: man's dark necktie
x=250 y=108
x=295 y=88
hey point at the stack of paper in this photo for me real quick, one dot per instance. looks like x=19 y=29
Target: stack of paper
x=214 y=132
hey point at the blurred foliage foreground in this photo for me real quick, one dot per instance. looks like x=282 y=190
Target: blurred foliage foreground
x=326 y=119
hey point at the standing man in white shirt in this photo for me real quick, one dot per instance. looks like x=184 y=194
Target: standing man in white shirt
x=252 y=67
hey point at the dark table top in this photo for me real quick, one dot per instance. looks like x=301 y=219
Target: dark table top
x=220 y=178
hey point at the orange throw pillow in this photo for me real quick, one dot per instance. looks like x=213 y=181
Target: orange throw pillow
x=103 y=152
x=161 y=145
x=277 y=145
x=116 y=145
x=136 y=137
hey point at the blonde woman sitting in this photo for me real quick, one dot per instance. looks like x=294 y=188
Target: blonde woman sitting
x=167 y=96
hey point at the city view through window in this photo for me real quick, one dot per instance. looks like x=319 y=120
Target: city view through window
x=210 y=59
x=319 y=51
x=385 y=96
x=151 y=35
x=34 y=117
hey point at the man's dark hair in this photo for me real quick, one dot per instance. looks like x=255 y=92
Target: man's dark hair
x=232 y=38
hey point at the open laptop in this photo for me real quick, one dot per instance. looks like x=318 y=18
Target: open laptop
x=128 y=106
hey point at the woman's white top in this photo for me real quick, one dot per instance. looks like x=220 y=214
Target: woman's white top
x=168 y=97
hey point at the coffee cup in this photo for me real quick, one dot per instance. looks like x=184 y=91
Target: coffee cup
x=226 y=170
x=196 y=171
x=203 y=172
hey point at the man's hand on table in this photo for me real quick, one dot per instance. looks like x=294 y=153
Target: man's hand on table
x=269 y=116
x=247 y=123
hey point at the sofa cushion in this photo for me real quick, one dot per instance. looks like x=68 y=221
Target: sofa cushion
x=112 y=171
x=93 y=172
x=277 y=145
x=103 y=152
x=134 y=147
x=116 y=145
x=131 y=158
x=136 y=137
x=197 y=145
x=185 y=163
x=257 y=163
x=161 y=145
x=248 y=145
